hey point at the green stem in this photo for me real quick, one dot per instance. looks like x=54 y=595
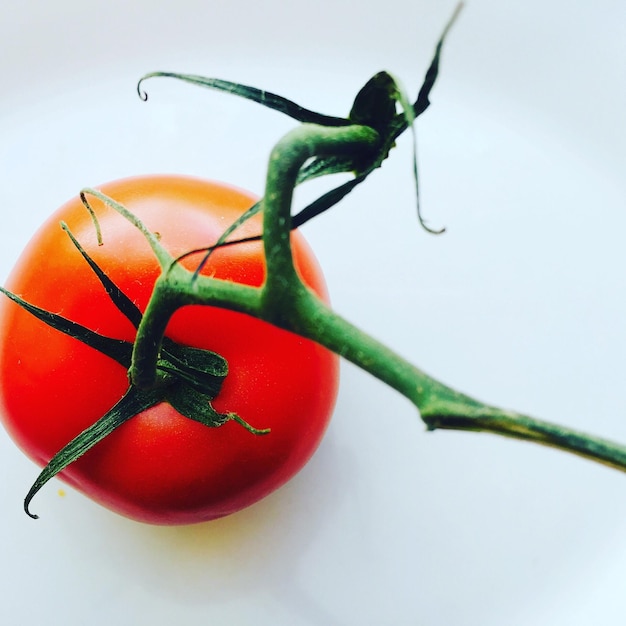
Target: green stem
x=440 y=406
x=286 y=302
x=483 y=418
x=175 y=288
x=286 y=161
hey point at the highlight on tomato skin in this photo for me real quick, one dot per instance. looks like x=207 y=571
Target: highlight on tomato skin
x=160 y=467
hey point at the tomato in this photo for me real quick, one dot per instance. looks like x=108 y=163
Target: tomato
x=160 y=467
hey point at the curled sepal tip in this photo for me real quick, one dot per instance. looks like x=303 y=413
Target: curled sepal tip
x=133 y=402
x=163 y=257
x=194 y=405
x=251 y=429
x=254 y=94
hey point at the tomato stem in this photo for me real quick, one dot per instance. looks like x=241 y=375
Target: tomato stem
x=285 y=301
x=286 y=161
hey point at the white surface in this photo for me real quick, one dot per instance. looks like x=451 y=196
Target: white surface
x=521 y=303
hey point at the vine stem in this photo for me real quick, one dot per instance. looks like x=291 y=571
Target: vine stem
x=283 y=300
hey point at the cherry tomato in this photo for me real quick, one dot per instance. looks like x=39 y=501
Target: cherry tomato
x=160 y=467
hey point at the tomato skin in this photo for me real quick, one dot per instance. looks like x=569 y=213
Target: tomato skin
x=160 y=467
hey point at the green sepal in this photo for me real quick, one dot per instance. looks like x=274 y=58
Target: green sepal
x=317 y=168
x=260 y=96
x=197 y=407
x=117 y=349
x=423 y=97
x=375 y=104
x=327 y=200
x=122 y=302
x=201 y=370
x=133 y=402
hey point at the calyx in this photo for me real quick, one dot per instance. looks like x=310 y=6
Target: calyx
x=189 y=378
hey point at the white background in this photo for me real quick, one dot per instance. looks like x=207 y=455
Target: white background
x=520 y=303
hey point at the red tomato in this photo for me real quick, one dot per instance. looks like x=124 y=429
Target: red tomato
x=160 y=467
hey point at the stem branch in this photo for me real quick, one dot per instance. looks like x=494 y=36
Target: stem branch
x=285 y=301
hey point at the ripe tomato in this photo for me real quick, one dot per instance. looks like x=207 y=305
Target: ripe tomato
x=160 y=467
